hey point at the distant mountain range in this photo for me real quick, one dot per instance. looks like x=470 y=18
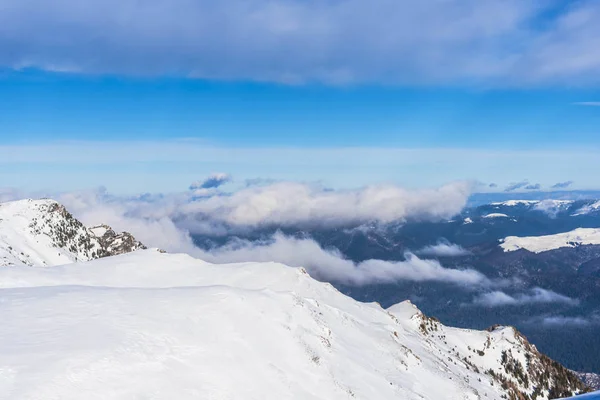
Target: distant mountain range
x=548 y=252
x=477 y=199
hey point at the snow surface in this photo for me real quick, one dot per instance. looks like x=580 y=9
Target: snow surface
x=513 y=203
x=495 y=215
x=539 y=244
x=155 y=326
x=99 y=230
x=550 y=206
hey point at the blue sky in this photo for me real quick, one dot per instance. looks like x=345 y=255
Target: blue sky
x=149 y=99
x=41 y=106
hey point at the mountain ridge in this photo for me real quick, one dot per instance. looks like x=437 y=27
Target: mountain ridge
x=150 y=314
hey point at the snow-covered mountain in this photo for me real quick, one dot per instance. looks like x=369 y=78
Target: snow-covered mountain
x=537 y=204
x=154 y=325
x=44 y=233
x=78 y=324
x=513 y=203
x=540 y=244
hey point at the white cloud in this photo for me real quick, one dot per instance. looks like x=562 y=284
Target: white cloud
x=277 y=204
x=493 y=299
x=291 y=41
x=443 y=249
x=149 y=219
x=552 y=207
x=330 y=265
x=293 y=204
x=535 y=295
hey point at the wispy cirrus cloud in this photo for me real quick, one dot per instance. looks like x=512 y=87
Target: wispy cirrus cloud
x=294 y=41
x=524 y=184
x=516 y=185
x=588 y=103
x=562 y=185
x=563 y=321
x=533 y=186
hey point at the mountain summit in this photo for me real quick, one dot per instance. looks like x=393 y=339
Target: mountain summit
x=44 y=233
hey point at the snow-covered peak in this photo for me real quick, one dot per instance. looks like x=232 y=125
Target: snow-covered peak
x=513 y=203
x=539 y=244
x=405 y=310
x=153 y=325
x=43 y=232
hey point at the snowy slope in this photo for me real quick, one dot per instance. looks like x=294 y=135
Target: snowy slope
x=587 y=209
x=495 y=215
x=539 y=244
x=42 y=232
x=161 y=326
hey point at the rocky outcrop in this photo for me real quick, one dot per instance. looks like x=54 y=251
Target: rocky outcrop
x=503 y=355
x=113 y=243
